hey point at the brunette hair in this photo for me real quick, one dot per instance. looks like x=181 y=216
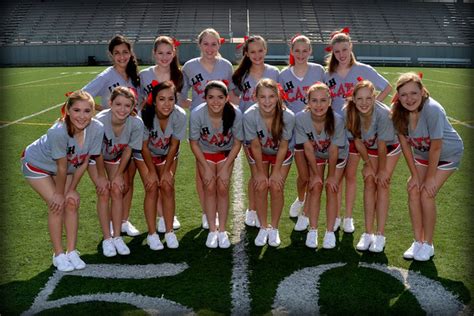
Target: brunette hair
x=79 y=95
x=277 y=123
x=228 y=115
x=245 y=64
x=126 y=93
x=331 y=60
x=175 y=72
x=132 y=66
x=149 y=111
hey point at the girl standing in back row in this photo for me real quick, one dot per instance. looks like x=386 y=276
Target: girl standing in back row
x=343 y=71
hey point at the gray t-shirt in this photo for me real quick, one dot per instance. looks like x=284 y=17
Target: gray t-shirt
x=305 y=131
x=433 y=124
x=105 y=83
x=249 y=83
x=296 y=88
x=159 y=140
x=56 y=144
x=195 y=76
x=381 y=128
x=254 y=126
x=147 y=75
x=210 y=139
x=340 y=87
x=131 y=135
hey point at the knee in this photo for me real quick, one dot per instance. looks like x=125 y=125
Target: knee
x=425 y=197
x=370 y=184
x=72 y=205
x=115 y=192
x=210 y=188
x=303 y=179
x=274 y=188
x=167 y=189
x=151 y=189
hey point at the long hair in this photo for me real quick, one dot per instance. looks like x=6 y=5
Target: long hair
x=245 y=64
x=213 y=33
x=126 y=93
x=228 y=114
x=331 y=60
x=298 y=39
x=353 y=123
x=277 y=123
x=329 y=122
x=399 y=113
x=149 y=110
x=132 y=66
x=75 y=96
x=175 y=72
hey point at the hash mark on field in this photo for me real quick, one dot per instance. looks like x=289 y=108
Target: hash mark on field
x=35 y=81
x=240 y=293
x=31 y=115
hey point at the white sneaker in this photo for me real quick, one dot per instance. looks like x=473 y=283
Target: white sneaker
x=176 y=223
x=425 y=252
x=274 y=237
x=62 y=262
x=295 y=208
x=378 y=244
x=250 y=217
x=108 y=248
x=329 y=240
x=257 y=222
x=75 y=260
x=312 y=238
x=337 y=224
x=365 y=241
x=120 y=246
x=205 y=224
x=414 y=248
x=154 y=242
x=262 y=237
x=212 y=240
x=171 y=240
x=348 y=225
x=302 y=223
x=129 y=229
x=224 y=241
x=161 y=228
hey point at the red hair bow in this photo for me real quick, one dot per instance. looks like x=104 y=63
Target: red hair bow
x=282 y=92
x=291 y=58
x=345 y=30
x=420 y=74
x=360 y=78
x=67 y=94
x=63 y=108
x=226 y=82
x=149 y=99
x=176 y=43
x=222 y=40
x=239 y=46
x=328 y=48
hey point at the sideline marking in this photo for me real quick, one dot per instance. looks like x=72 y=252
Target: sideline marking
x=27 y=123
x=151 y=305
x=31 y=115
x=240 y=280
x=40 y=80
x=455 y=121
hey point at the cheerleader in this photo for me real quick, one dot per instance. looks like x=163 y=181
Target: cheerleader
x=215 y=135
x=322 y=134
x=432 y=150
x=250 y=70
x=342 y=72
x=54 y=164
x=268 y=126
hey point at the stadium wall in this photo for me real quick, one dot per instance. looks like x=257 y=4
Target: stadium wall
x=78 y=54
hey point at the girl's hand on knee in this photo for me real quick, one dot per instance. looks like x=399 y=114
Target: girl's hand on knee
x=331 y=183
x=383 y=179
x=430 y=186
x=102 y=185
x=413 y=183
x=151 y=179
x=73 y=197
x=56 y=203
x=207 y=177
x=314 y=182
x=367 y=172
x=260 y=181
x=167 y=178
x=276 y=178
x=118 y=181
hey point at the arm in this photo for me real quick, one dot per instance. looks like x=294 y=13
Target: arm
x=276 y=170
x=260 y=180
x=146 y=168
x=224 y=174
x=429 y=182
x=56 y=203
x=313 y=166
x=207 y=177
x=383 y=94
x=168 y=175
x=413 y=181
x=102 y=182
x=76 y=177
x=118 y=178
x=331 y=181
x=382 y=174
x=368 y=169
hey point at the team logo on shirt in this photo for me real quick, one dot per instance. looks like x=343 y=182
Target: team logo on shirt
x=218 y=139
x=113 y=86
x=161 y=143
x=344 y=90
x=298 y=94
x=112 y=149
x=370 y=142
x=269 y=143
x=247 y=96
x=71 y=150
x=76 y=160
x=420 y=143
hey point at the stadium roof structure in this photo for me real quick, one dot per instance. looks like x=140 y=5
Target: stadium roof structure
x=30 y=22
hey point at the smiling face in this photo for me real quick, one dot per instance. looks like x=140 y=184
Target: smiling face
x=364 y=99
x=216 y=100
x=164 y=103
x=164 y=54
x=301 y=51
x=267 y=99
x=121 y=107
x=342 y=51
x=209 y=46
x=80 y=115
x=256 y=52
x=121 y=55
x=319 y=102
x=410 y=96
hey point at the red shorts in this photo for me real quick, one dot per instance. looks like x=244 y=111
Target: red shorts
x=392 y=150
x=217 y=157
x=340 y=164
x=272 y=158
x=161 y=160
x=442 y=165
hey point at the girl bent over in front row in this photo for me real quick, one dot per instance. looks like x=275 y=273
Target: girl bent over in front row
x=433 y=151
x=53 y=166
x=269 y=127
x=215 y=135
x=322 y=134
x=165 y=127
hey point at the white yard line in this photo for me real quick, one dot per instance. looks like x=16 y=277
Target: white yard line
x=31 y=115
x=240 y=278
x=40 y=80
x=455 y=121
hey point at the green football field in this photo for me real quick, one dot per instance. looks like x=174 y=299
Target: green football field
x=243 y=279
